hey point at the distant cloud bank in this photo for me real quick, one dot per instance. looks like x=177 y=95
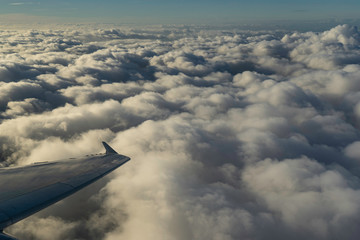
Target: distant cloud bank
x=232 y=134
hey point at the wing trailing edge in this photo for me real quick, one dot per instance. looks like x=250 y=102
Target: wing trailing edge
x=4 y=236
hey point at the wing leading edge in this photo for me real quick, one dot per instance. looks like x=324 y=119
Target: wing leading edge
x=28 y=189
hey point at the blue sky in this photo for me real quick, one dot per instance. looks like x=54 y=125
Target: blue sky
x=185 y=11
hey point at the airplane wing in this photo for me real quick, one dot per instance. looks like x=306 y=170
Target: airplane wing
x=28 y=189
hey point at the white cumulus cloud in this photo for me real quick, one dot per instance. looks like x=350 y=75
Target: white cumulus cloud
x=232 y=135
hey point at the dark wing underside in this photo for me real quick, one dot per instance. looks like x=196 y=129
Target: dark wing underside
x=27 y=190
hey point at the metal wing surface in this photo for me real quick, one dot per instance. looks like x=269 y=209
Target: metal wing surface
x=28 y=189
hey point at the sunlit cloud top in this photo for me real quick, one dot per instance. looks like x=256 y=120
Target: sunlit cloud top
x=233 y=135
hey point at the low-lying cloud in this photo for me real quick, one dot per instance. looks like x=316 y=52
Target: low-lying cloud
x=241 y=135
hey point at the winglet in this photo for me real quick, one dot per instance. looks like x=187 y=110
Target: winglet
x=108 y=149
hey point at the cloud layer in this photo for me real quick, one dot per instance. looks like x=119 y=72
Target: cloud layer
x=232 y=135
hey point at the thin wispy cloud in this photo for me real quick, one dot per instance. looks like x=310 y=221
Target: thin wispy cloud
x=23 y=3
x=17 y=4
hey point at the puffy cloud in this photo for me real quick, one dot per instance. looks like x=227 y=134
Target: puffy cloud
x=40 y=228
x=306 y=195
x=328 y=50
x=232 y=135
x=18 y=91
x=25 y=107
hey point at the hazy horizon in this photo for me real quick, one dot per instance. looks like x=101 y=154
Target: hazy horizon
x=174 y=12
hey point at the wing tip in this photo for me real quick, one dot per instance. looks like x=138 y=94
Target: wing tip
x=108 y=149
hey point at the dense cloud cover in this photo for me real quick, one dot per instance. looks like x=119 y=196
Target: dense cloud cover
x=232 y=135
